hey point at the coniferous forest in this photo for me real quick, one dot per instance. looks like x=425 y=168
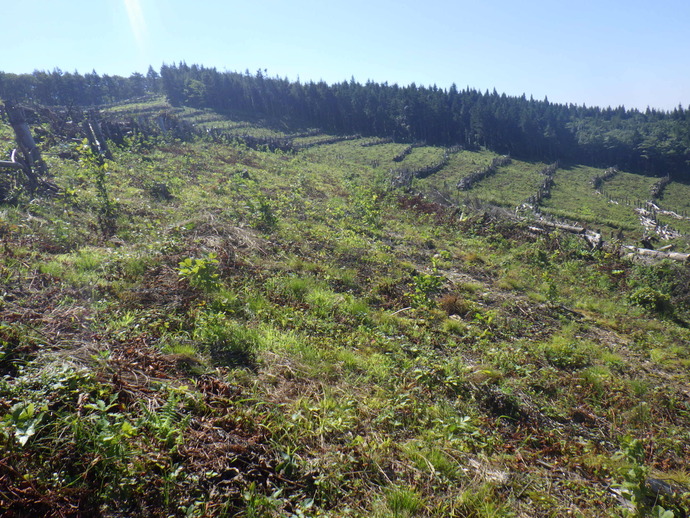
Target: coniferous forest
x=652 y=142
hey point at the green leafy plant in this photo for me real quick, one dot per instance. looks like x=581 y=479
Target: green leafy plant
x=651 y=299
x=201 y=273
x=14 y=348
x=106 y=428
x=568 y=354
x=634 y=486
x=266 y=216
x=22 y=421
x=167 y=422
x=441 y=260
x=226 y=341
x=98 y=170
x=426 y=286
x=366 y=205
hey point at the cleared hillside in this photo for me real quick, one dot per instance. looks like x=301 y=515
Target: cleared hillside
x=281 y=333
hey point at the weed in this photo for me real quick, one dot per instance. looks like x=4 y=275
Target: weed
x=651 y=299
x=551 y=288
x=22 y=421
x=323 y=301
x=264 y=213
x=226 y=301
x=454 y=327
x=97 y=169
x=596 y=379
x=442 y=259
x=635 y=488
x=639 y=415
x=325 y=417
x=404 y=502
x=167 y=423
x=15 y=348
x=227 y=342
x=258 y=504
x=569 y=353
x=355 y=307
x=201 y=273
x=292 y=288
x=482 y=502
x=639 y=387
x=366 y=205
x=426 y=286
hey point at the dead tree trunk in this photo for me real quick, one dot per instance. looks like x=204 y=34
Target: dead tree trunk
x=93 y=131
x=34 y=166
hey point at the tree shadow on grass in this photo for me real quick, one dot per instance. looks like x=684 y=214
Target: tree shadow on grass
x=225 y=354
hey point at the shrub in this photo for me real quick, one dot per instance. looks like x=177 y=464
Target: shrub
x=201 y=273
x=569 y=354
x=425 y=287
x=651 y=299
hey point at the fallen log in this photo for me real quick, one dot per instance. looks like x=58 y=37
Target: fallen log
x=561 y=226
x=656 y=254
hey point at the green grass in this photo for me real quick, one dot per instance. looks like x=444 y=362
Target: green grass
x=629 y=186
x=462 y=164
x=352 y=152
x=574 y=198
x=421 y=157
x=155 y=103
x=675 y=197
x=511 y=186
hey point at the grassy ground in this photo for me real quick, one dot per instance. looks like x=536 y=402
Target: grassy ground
x=574 y=198
x=351 y=152
x=421 y=157
x=628 y=186
x=228 y=332
x=676 y=197
x=460 y=164
x=511 y=186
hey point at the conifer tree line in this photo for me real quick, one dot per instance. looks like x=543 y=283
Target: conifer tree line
x=652 y=142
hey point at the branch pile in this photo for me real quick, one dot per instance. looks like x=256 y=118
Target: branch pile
x=658 y=188
x=544 y=190
x=377 y=142
x=403 y=177
x=599 y=180
x=401 y=156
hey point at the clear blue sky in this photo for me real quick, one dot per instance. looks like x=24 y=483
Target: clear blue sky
x=597 y=52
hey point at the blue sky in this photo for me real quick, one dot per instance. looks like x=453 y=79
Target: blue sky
x=604 y=52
